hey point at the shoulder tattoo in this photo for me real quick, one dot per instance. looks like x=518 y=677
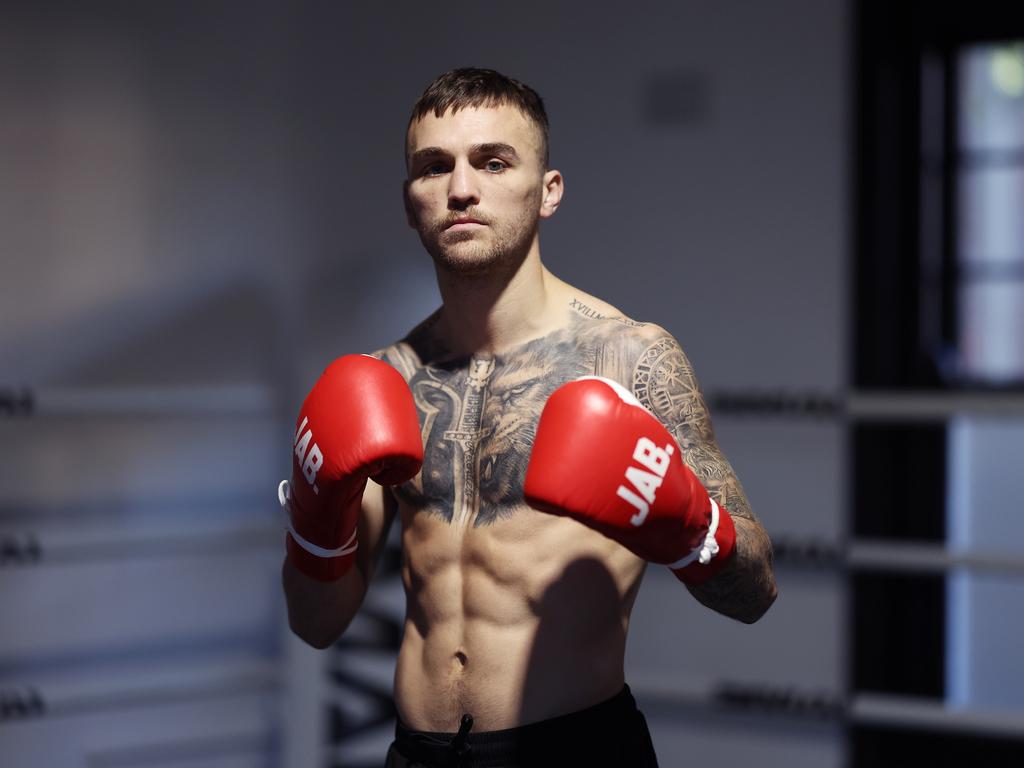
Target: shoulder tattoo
x=664 y=381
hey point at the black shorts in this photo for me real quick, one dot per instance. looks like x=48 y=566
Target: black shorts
x=612 y=733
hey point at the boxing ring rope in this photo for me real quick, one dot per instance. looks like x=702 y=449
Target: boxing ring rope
x=225 y=400
x=229 y=677
x=71 y=402
x=889 y=406
x=874 y=709
x=100 y=542
x=27 y=547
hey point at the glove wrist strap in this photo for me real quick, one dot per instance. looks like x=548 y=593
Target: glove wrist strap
x=350 y=546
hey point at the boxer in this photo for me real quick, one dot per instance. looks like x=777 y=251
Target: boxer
x=539 y=449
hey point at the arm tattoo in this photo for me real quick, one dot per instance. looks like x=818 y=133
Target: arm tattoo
x=664 y=381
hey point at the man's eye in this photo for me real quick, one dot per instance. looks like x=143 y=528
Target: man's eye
x=495 y=165
x=433 y=169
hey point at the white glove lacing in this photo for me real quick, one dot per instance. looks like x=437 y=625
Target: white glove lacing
x=705 y=551
x=284 y=495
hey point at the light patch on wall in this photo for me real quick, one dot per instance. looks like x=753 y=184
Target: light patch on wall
x=1007 y=69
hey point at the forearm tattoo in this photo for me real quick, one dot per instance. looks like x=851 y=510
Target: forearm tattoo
x=664 y=381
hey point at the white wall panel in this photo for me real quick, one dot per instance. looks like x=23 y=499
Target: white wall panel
x=123 y=603
x=676 y=645
x=134 y=463
x=791 y=470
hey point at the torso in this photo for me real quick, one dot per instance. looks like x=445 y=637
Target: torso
x=513 y=615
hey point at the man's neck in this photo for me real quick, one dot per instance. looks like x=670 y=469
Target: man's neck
x=491 y=313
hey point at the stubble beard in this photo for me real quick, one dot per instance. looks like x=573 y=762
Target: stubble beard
x=457 y=253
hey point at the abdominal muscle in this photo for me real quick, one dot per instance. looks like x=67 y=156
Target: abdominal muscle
x=514 y=622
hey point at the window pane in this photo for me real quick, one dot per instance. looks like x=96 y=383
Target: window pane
x=985 y=486
x=990 y=213
x=992 y=331
x=991 y=225
x=992 y=97
x=983 y=639
x=985 y=624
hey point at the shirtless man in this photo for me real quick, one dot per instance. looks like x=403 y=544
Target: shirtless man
x=516 y=620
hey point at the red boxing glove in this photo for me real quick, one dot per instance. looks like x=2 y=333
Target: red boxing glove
x=603 y=459
x=359 y=421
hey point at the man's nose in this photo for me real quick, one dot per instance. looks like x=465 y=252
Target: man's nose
x=463 y=190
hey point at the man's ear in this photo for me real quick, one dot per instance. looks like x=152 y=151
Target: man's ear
x=410 y=215
x=554 y=187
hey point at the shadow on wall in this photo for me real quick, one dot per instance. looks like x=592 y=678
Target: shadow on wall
x=213 y=338
x=189 y=335
x=235 y=332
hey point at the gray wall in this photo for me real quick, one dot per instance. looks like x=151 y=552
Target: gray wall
x=206 y=197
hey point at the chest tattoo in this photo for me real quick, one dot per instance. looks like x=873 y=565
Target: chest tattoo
x=462 y=428
x=479 y=417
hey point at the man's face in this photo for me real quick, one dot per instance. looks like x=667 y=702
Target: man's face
x=476 y=186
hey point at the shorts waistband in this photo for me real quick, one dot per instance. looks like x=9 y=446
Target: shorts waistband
x=495 y=748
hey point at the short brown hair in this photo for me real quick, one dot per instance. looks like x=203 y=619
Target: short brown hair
x=472 y=87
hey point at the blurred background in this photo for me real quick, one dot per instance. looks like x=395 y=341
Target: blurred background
x=200 y=207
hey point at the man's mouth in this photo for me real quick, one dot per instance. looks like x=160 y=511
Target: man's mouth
x=466 y=222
